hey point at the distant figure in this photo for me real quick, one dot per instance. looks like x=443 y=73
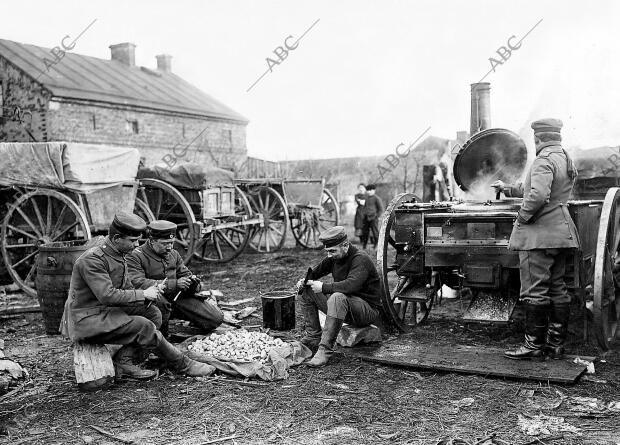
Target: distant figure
x=372 y=211
x=360 y=200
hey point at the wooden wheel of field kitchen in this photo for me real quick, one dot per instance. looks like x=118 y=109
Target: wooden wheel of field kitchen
x=407 y=299
x=268 y=202
x=224 y=244
x=35 y=218
x=606 y=289
x=166 y=202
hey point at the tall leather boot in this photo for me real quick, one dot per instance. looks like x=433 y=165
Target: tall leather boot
x=124 y=365
x=557 y=330
x=312 y=326
x=535 y=330
x=180 y=362
x=328 y=340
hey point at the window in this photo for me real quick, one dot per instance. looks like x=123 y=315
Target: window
x=183 y=130
x=132 y=126
x=94 y=120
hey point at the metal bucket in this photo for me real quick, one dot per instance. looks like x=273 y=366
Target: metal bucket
x=54 y=268
x=279 y=310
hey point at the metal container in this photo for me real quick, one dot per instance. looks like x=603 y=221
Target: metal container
x=279 y=310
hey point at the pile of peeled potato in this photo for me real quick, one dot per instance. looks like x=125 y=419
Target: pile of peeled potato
x=237 y=345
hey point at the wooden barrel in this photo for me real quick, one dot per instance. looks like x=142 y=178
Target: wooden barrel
x=279 y=310
x=54 y=267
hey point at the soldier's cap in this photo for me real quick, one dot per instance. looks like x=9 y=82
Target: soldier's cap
x=371 y=187
x=162 y=229
x=128 y=224
x=333 y=236
x=549 y=125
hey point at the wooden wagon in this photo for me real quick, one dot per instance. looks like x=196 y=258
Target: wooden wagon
x=303 y=205
x=41 y=205
x=213 y=216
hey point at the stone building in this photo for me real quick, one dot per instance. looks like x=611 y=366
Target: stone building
x=47 y=96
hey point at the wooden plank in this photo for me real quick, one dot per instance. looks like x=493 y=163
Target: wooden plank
x=480 y=360
x=21 y=309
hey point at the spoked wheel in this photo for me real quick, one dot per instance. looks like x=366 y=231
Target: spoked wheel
x=268 y=202
x=36 y=218
x=606 y=292
x=224 y=244
x=407 y=299
x=166 y=202
x=307 y=223
x=142 y=209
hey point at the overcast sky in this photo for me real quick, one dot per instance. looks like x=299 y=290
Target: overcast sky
x=369 y=74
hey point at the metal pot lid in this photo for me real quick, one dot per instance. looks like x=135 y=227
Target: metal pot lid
x=488 y=156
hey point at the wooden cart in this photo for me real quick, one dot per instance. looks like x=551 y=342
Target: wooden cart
x=426 y=246
x=214 y=222
x=304 y=205
x=35 y=216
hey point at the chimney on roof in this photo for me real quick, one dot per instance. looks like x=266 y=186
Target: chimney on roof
x=164 y=63
x=124 y=53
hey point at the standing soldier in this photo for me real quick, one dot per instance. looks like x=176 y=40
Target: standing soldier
x=360 y=200
x=157 y=263
x=103 y=306
x=372 y=212
x=543 y=234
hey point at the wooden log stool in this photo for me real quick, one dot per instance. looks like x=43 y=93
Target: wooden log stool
x=350 y=336
x=93 y=366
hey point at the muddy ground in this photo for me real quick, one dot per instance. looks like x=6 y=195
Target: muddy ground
x=348 y=402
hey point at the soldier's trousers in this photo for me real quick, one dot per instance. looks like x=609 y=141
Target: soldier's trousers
x=353 y=310
x=370 y=231
x=200 y=312
x=140 y=331
x=542 y=276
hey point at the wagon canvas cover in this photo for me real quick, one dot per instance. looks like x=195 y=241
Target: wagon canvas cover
x=189 y=175
x=67 y=165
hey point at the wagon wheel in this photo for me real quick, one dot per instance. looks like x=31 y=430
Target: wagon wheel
x=35 y=218
x=268 y=202
x=166 y=202
x=222 y=245
x=142 y=209
x=407 y=300
x=307 y=223
x=606 y=292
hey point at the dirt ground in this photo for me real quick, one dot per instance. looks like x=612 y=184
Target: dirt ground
x=348 y=402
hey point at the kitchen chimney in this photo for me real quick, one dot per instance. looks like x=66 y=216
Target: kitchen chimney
x=164 y=63
x=124 y=53
x=480 y=107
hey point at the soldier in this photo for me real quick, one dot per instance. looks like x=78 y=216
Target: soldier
x=543 y=234
x=103 y=307
x=157 y=263
x=352 y=297
x=373 y=209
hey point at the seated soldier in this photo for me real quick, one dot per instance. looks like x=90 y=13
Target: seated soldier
x=353 y=296
x=103 y=307
x=156 y=262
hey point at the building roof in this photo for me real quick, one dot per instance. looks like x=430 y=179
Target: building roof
x=88 y=78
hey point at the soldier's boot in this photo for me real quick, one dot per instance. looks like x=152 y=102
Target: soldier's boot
x=124 y=365
x=535 y=330
x=181 y=363
x=312 y=326
x=557 y=330
x=328 y=341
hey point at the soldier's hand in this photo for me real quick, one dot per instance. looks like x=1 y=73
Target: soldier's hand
x=499 y=186
x=183 y=283
x=151 y=293
x=299 y=284
x=316 y=286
